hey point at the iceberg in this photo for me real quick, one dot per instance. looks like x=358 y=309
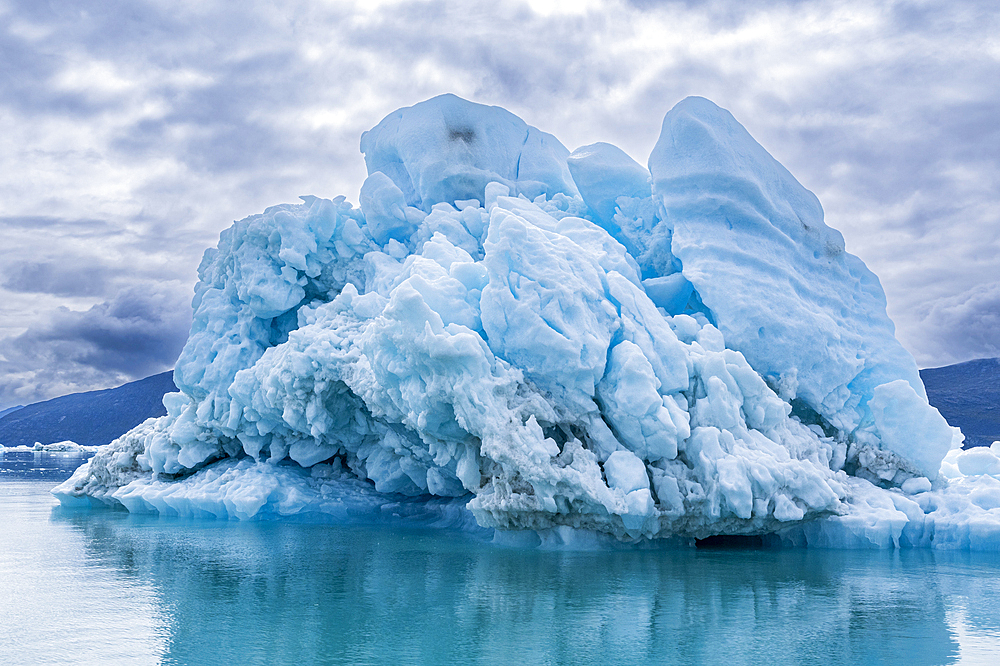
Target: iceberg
x=65 y=446
x=518 y=337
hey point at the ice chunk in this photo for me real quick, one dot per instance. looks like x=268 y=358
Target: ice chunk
x=977 y=461
x=545 y=308
x=58 y=447
x=250 y=289
x=385 y=210
x=919 y=484
x=603 y=173
x=632 y=403
x=626 y=471
x=65 y=446
x=964 y=514
x=670 y=292
x=448 y=149
x=910 y=427
x=775 y=279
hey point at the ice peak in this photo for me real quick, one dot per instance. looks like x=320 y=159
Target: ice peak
x=448 y=149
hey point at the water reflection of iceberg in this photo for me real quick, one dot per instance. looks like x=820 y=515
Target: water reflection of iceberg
x=278 y=592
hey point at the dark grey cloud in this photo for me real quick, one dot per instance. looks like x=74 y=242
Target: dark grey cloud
x=58 y=279
x=135 y=131
x=138 y=332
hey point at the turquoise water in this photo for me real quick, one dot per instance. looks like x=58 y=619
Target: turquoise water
x=105 y=587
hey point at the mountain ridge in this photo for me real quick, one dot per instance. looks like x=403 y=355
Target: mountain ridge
x=968 y=396
x=91 y=418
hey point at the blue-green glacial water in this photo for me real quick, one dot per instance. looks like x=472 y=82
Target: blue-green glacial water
x=106 y=587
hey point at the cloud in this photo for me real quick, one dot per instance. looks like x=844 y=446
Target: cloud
x=965 y=323
x=135 y=131
x=57 y=279
x=139 y=332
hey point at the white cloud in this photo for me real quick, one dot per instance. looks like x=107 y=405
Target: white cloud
x=144 y=128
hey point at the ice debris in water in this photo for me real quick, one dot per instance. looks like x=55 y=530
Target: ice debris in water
x=65 y=446
x=555 y=341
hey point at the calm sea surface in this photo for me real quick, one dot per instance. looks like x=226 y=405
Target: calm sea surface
x=106 y=587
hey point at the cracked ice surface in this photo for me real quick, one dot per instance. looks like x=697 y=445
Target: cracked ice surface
x=551 y=340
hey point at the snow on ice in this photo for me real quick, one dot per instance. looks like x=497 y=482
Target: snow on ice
x=561 y=342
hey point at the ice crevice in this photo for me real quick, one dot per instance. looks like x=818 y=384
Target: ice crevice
x=506 y=335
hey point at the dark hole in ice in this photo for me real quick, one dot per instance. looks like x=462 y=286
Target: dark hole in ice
x=809 y=416
x=555 y=432
x=462 y=134
x=734 y=541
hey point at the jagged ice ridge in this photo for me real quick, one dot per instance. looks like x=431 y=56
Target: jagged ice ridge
x=561 y=342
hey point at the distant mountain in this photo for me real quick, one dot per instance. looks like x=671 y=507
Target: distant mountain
x=968 y=396
x=92 y=418
x=9 y=410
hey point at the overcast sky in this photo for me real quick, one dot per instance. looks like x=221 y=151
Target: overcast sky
x=133 y=132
